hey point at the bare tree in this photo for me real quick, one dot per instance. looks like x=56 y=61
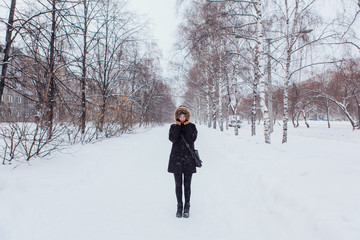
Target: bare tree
x=344 y=91
x=8 y=44
x=253 y=11
x=95 y=43
x=295 y=18
x=82 y=35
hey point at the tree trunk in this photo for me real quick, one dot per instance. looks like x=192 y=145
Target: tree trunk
x=253 y=108
x=359 y=116
x=286 y=96
x=208 y=107
x=213 y=108
x=214 y=114
x=51 y=98
x=221 y=123
x=358 y=109
x=227 y=116
x=290 y=40
x=343 y=109
x=260 y=70
x=294 y=100
x=328 y=113
x=287 y=76
x=255 y=93
x=236 y=129
x=84 y=71
x=102 y=115
x=7 y=49
x=305 y=119
x=269 y=90
x=199 y=109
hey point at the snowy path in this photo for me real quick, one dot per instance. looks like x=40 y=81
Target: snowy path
x=119 y=189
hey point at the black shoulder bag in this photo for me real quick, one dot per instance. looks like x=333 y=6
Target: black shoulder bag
x=194 y=154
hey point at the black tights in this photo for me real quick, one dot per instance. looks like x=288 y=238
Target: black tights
x=187 y=186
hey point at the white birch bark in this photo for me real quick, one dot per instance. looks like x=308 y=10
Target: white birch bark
x=328 y=111
x=343 y=107
x=253 y=107
x=213 y=106
x=237 y=100
x=269 y=89
x=221 y=123
x=208 y=107
x=199 y=109
x=289 y=44
x=228 y=107
x=260 y=69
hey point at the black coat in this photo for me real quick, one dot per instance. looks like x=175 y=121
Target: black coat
x=181 y=160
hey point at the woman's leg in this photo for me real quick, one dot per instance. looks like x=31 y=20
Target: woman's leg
x=187 y=187
x=178 y=191
x=178 y=187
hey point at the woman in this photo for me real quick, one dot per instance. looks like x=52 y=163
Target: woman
x=181 y=164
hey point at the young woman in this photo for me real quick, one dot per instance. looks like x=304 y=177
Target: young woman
x=181 y=163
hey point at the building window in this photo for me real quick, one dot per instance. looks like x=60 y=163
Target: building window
x=10 y=84
x=10 y=98
x=18 y=114
x=18 y=100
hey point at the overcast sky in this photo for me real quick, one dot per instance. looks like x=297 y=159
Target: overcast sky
x=163 y=23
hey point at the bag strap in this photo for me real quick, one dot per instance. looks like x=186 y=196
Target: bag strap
x=196 y=157
x=187 y=145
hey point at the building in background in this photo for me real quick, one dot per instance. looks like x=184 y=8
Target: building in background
x=17 y=101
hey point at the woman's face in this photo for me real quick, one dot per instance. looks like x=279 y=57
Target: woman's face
x=182 y=118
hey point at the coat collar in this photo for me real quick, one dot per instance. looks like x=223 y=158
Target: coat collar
x=185 y=123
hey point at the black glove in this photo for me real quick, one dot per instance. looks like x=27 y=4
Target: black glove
x=182 y=126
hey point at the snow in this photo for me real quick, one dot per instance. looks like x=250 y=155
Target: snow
x=119 y=188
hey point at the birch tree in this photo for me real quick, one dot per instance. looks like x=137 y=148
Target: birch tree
x=254 y=11
x=261 y=68
x=203 y=41
x=297 y=21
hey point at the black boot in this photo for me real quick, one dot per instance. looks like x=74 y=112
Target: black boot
x=179 y=210
x=186 y=210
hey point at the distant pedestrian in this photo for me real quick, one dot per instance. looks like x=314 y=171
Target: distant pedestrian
x=181 y=163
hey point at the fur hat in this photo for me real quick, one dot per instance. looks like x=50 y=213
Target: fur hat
x=182 y=110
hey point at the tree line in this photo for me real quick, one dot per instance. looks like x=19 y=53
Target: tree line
x=76 y=71
x=277 y=60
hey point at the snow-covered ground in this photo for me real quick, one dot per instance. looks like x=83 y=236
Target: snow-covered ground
x=119 y=189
